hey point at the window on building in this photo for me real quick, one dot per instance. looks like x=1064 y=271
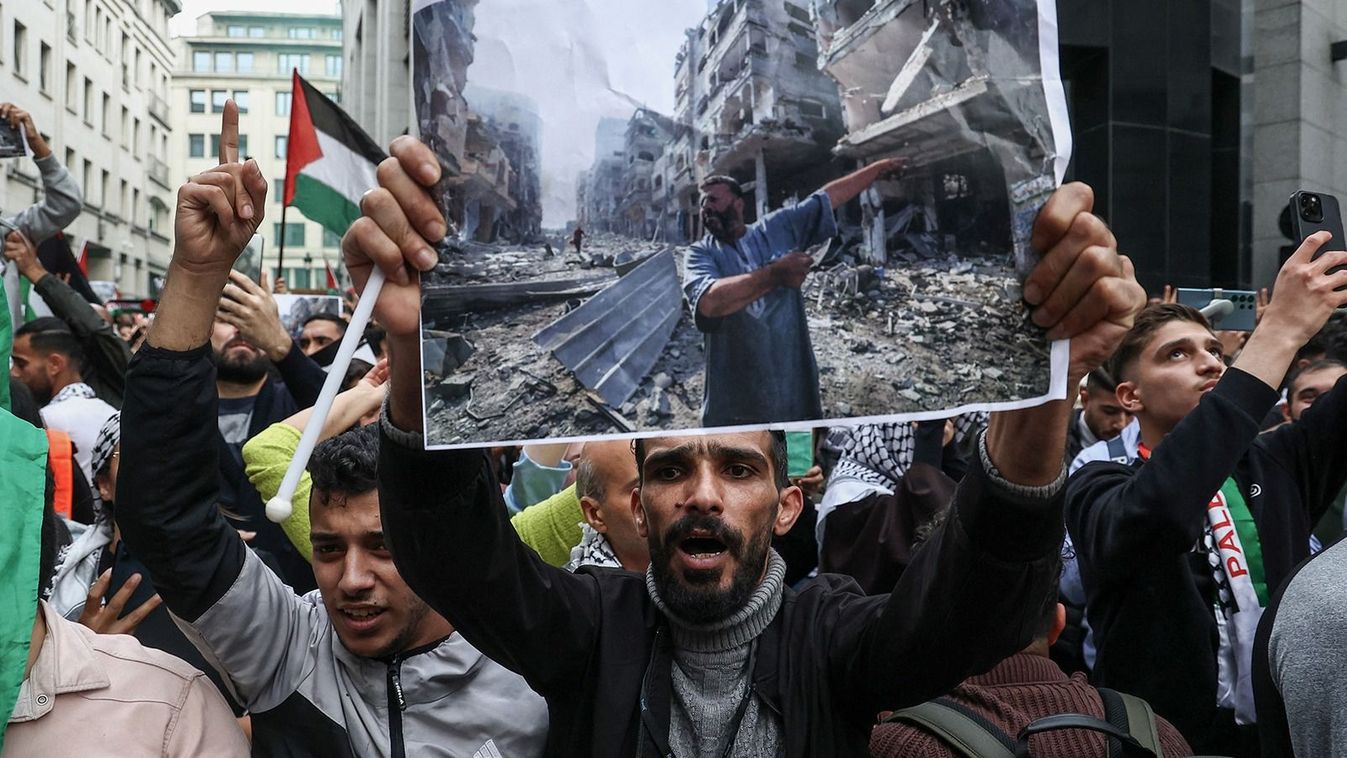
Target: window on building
x=294 y=234
x=44 y=68
x=334 y=96
x=214 y=145
x=241 y=100
x=285 y=62
x=197 y=100
x=196 y=146
x=103 y=190
x=236 y=31
x=336 y=34
x=20 y=49
x=256 y=32
x=299 y=278
x=135 y=138
x=135 y=207
x=217 y=100
x=331 y=238
x=123 y=199
x=812 y=109
x=71 y=87
x=244 y=63
x=135 y=71
x=88 y=176
x=282 y=145
x=200 y=61
x=88 y=101
x=283 y=103
x=224 y=63
x=107 y=115
x=301 y=32
x=798 y=13
x=126 y=127
x=243 y=147
x=334 y=66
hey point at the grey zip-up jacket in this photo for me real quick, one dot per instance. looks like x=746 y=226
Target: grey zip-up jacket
x=308 y=695
x=61 y=204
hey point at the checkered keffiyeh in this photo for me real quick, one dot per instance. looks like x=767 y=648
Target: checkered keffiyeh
x=880 y=454
x=108 y=437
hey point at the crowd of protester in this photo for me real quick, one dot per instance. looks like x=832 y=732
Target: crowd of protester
x=1147 y=568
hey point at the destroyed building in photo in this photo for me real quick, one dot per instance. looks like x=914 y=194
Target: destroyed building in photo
x=602 y=184
x=748 y=84
x=646 y=135
x=517 y=129
x=952 y=88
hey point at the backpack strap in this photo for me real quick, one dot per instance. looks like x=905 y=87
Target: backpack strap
x=963 y=730
x=1135 y=715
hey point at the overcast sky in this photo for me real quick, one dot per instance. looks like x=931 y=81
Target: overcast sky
x=580 y=62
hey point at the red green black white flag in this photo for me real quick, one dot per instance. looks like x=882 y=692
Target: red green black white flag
x=330 y=160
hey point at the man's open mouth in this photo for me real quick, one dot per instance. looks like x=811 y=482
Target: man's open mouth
x=362 y=614
x=702 y=547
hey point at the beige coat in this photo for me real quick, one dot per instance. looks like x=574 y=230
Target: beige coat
x=105 y=694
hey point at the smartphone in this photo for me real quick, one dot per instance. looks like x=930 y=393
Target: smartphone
x=1317 y=211
x=1241 y=319
x=11 y=141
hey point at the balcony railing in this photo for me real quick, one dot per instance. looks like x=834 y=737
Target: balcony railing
x=158 y=171
x=158 y=108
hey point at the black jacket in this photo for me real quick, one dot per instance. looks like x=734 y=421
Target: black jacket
x=827 y=664
x=276 y=401
x=1149 y=595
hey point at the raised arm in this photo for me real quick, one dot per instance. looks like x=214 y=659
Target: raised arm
x=841 y=190
x=169 y=481
x=974 y=592
x=106 y=350
x=1118 y=518
x=62 y=200
x=442 y=511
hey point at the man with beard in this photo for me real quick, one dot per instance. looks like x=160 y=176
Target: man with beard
x=49 y=360
x=709 y=653
x=247 y=339
x=743 y=285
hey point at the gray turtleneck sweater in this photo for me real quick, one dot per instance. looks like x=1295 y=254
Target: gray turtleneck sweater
x=710 y=675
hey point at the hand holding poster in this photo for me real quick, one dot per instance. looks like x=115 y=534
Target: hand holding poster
x=668 y=217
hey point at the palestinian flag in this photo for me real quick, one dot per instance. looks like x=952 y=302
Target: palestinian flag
x=329 y=162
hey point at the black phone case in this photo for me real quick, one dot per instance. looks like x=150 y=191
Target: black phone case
x=1332 y=222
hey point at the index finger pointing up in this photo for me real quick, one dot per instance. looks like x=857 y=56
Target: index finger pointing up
x=229 y=133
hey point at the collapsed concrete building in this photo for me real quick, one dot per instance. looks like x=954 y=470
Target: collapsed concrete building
x=646 y=135
x=514 y=124
x=600 y=190
x=953 y=87
x=492 y=184
x=748 y=87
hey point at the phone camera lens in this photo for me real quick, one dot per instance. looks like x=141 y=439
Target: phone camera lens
x=1311 y=208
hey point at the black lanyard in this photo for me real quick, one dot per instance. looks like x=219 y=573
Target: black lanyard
x=648 y=717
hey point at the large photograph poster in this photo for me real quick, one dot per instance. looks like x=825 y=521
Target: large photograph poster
x=596 y=283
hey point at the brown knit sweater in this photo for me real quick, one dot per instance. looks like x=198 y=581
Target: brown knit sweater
x=1022 y=688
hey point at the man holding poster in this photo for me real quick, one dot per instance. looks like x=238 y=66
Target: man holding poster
x=709 y=652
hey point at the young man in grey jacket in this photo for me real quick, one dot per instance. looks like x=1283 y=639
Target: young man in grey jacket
x=359 y=668
x=61 y=201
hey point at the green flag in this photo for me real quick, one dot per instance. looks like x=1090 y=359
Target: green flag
x=23 y=479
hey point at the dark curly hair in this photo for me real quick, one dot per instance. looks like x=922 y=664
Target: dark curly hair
x=345 y=465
